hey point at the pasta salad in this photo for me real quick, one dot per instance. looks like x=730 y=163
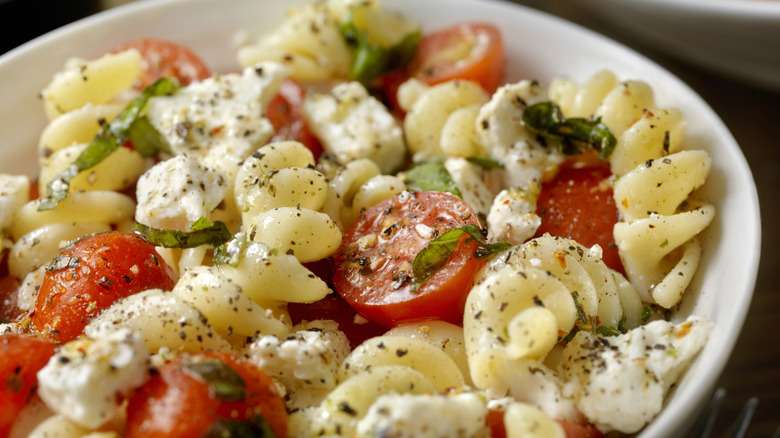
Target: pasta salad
x=364 y=230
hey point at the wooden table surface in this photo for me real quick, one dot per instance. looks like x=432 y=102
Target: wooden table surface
x=753 y=117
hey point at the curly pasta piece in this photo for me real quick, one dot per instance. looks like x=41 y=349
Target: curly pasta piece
x=94 y=206
x=514 y=311
x=429 y=114
x=523 y=420
x=578 y=100
x=163 y=319
x=342 y=188
x=116 y=172
x=77 y=126
x=96 y=82
x=340 y=411
x=417 y=354
x=308 y=41
x=223 y=303
x=265 y=274
x=447 y=336
x=307 y=234
x=656 y=224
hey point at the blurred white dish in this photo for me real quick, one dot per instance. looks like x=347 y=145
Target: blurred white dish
x=539 y=46
x=738 y=38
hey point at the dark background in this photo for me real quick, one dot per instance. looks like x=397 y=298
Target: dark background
x=752 y=115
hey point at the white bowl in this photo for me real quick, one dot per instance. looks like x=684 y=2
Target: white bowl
x=737 y=38
x=539 y=46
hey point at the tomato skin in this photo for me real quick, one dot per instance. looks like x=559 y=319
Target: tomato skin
x=21 y=356
x=578 y=204
x=9 y=289
x=375 y=277
x=434 y=62
x=177 y=402
x=110 y=265
x=286 y=115
x=163 y=58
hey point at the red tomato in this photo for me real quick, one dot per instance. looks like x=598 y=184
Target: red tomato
x=374 y=262
x=577 y=204
x=336 y=308
x=9 y=288
x=162 y=58
x=21 y=356
x=178 y=401
x=472 y=51
x=286 y=115
x=90 y=275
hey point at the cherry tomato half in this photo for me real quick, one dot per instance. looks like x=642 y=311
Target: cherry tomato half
x=9 y=290
x=91 y=274
x=163 y=58
x=471 y=51
x=21 y=356
x=495 y=421
x=188 y=397
x=286 y=115
x=374 y=262
x=578 y=204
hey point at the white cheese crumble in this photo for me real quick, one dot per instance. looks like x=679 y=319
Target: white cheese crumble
x=506 y=139
x=307 y=359
x=352 y=124
x=512 y=217
x=425 y=416
x=477 y=185
x=176 y=192
x=83 y=379
x=619 y=382
x=14 y=192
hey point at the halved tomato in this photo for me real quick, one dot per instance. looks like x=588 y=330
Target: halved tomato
x=91 y=274
x=163 y=58
x=374 y=271
x=578 y=204
x=207 y=394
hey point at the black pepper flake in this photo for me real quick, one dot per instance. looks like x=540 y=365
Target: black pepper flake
x=347 y=409
x=401 y=352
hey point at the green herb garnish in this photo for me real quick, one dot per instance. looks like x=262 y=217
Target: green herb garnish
x=204 y=232
x=433 y=257
x=571 y=135
x=110 y=138
x=224 y=380
x=431 y=176
x=371 y=60
x=256 y=427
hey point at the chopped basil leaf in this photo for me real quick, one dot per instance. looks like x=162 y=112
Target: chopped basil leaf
x=257 y=427
x=224 y=380
x=63 y=262
x=109 y=139
x=372 y=60
x=204 y=232
x=605 y=330
x=146 y=139
x=572 y=135
x=647 y=313
x=580 y=312
x=485 y=162
x=433 y=257
x=431 y=176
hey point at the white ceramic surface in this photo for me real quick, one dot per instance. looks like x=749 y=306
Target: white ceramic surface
x=539 y=46
x=737 y=38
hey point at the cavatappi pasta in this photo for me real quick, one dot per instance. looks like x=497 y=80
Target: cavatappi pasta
x=549 y=333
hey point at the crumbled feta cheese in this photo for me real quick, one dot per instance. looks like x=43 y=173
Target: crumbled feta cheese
x=352 y=124
x=14 y=192
x=476 y=184
x=219 y=110
x=505 y=138
x=307 y=359
x=422 y=415
x=619 y=382
x=83 y=379
x=178 y=191
x=512 y=217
